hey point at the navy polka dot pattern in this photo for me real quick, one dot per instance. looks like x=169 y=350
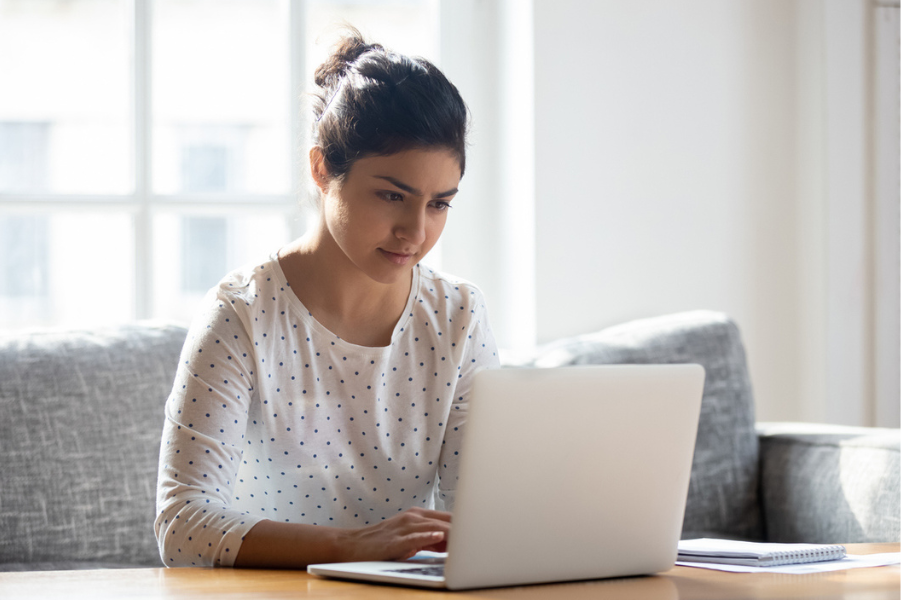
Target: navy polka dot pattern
x=272 y=416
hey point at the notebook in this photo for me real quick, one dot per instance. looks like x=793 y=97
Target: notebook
x=566 y=474
x=754 y=554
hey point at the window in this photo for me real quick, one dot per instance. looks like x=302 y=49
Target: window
x=23 y=156
x=138 y=169
x=23 y=254
x=204 y=241
x=205 y=168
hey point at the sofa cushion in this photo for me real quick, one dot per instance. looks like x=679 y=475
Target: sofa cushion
x=80 y=430
x=829 y=484
x=723 y=492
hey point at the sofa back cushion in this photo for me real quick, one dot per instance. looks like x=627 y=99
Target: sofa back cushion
x=723 y=493
x=82 y=414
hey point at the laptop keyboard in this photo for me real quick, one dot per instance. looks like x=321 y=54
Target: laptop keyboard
x=433 y=571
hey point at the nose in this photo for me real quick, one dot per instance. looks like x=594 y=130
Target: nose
x=411 y=228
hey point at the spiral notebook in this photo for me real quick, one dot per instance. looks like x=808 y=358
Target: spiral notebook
x=753 y=554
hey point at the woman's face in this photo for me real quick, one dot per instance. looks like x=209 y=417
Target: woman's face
x=389 y=210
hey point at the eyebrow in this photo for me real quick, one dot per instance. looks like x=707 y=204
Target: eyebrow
x=412 y=190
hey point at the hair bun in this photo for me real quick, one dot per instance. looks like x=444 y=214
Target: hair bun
x=348 y=50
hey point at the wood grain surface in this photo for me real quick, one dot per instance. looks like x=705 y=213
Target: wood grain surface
x=679 y=583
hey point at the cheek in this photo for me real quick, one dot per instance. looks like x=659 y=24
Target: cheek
x=338 y=219
x=435 y=227
x=356 y=224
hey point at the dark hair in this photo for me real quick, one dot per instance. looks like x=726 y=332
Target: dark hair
x=375 y=102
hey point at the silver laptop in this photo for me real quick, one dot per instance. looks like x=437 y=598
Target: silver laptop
x=567 y=474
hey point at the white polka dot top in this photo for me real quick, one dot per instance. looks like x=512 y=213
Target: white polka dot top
x=272 y=416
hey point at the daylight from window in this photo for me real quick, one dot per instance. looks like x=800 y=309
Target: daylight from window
x=146 y=146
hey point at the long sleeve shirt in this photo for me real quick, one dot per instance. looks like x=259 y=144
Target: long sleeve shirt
x=272 y=416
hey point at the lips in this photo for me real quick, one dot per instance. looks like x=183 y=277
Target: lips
x=398 y=258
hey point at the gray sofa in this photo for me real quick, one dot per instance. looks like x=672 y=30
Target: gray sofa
x=81 y=414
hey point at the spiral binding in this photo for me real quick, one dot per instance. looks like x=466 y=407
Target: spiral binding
x=796 y=557
x=755 y=554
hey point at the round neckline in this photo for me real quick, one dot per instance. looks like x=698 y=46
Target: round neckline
x=306 y=316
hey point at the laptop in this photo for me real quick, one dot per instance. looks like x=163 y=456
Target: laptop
x=567 y=474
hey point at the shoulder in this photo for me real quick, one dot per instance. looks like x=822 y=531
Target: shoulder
x=237 y=298
x=442 y=288
x=248 y=284
x=453 y=300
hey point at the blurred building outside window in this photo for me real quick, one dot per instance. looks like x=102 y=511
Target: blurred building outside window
x=148 y=147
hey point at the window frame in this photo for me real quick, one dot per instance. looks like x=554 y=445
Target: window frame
x=142 y=203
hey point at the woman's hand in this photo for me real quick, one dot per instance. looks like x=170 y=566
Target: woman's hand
x=274 y=545
x=397 y=538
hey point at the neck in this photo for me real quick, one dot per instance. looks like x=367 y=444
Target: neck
x=335 y=291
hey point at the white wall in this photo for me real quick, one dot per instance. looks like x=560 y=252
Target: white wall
x=666 y=154
x=887 y=214
x=683 y=155
x=487 y=51
x=469 y=242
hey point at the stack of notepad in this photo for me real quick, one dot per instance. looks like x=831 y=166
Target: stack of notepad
x=753 y=554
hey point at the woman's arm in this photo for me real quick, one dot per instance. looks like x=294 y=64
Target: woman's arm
x=202 y=441
x=479 y=352
x=277 y=545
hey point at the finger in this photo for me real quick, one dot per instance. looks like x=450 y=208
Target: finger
x=408 y=555
x=415 y=542
x=439 y=547
x=438 y=515
x=421 y=524
x=421 y=540
x=434 y=537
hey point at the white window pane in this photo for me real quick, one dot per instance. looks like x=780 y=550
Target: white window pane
x=204 y=243
x=65 y=105
x=220 y=96
x=193 y=251
x=406 y=26
x=66 y=269
x=24 y=264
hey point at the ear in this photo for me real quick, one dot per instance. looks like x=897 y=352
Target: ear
x=318 y=170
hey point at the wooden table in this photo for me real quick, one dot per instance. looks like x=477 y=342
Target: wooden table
x=680 y=583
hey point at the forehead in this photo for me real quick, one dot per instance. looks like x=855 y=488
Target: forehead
x=425 y=169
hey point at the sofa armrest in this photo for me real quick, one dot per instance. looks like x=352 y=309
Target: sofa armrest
x=829 y=484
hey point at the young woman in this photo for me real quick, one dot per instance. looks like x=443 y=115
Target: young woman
x=319 y=403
